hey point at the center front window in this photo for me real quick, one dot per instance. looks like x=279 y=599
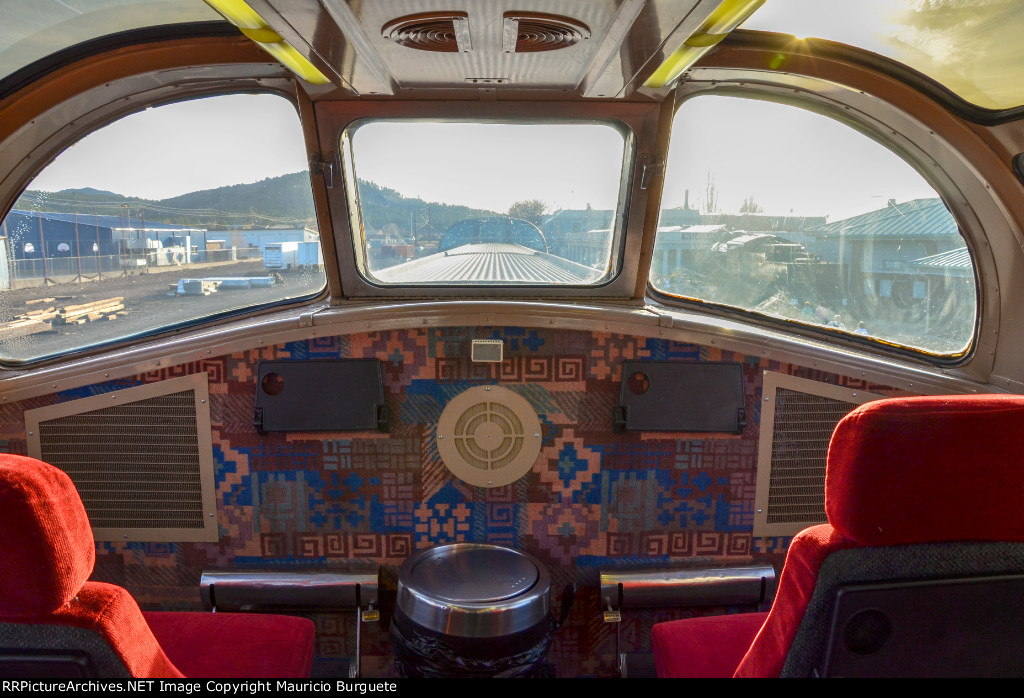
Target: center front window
x=506 y=204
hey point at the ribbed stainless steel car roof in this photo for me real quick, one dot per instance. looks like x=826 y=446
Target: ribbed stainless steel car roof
x=493 y=263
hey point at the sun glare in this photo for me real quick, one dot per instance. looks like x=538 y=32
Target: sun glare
x=863 y=23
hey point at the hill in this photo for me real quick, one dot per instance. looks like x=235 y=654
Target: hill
x=275 y=201
x=385 y=211
x=283 y=200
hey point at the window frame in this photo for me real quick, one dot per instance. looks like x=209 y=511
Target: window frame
x=938 y=160
x=638 y=122
x=67 y=137
x=614 y=255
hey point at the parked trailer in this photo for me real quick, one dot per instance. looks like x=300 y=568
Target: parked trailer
x=281 y=255
x=310 y=255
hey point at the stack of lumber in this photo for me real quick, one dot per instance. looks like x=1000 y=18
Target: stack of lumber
x=42 y=314
x=22 y=327
x=43 y=319
x=87 y=312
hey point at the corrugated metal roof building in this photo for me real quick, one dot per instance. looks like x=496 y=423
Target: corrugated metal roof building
x=927 y=218
x=952 y=263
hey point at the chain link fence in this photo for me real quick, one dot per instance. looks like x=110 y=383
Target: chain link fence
x=36 y=271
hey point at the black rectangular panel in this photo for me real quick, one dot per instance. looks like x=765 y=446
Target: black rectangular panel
x=681 y=396
x=320 y=395
x=962 y=627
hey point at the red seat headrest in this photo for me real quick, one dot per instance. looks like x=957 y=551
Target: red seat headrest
x=47 y=550
x=928 y=469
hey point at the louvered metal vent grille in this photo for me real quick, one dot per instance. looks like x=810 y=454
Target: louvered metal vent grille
x=135 y=465
x=442 y=32
x=527 y=32
x=798 y=417
x=140 y=458
x=803 y=426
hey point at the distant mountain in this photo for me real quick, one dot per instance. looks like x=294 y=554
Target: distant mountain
x=86 y=200
x=287 y=199
x=276 y=201
x=388 y=213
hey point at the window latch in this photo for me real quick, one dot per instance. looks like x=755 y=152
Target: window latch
x=652 y=168
x=325 y=167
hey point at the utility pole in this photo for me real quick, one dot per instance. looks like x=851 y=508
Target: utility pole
x=124 y=237
x=42 y=249
x=96 y=248
x=145 y=239
x=78 y=249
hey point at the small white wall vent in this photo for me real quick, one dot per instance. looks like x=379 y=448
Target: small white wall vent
x=798 y=417
x=141 y=459
x=488 y=436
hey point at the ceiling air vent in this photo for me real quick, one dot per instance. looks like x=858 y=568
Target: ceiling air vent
x=524 y=32
x=442 y=32
x=798 y=417
x=488 y=436
x=141 y=459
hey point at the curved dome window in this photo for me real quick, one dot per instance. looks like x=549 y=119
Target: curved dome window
x=780 y=212
x=165 y=218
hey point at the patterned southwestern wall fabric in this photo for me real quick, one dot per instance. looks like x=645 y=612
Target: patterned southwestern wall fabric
x=595 y=499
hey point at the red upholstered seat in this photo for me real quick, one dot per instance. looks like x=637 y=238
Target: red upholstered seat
x=719 y=642
x=46 y=557
x=897 y=471
x=274 y=646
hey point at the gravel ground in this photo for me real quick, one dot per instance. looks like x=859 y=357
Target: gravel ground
x=149 y=302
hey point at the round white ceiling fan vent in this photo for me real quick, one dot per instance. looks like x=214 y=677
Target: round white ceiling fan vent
x=488 y=436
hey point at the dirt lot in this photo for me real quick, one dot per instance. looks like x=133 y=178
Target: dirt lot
x=149 y=302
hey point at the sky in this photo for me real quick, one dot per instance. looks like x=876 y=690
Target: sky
x=827 y=19
x=972 y=47
x=789 y=160
x=491 y=166
x=184 y=147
